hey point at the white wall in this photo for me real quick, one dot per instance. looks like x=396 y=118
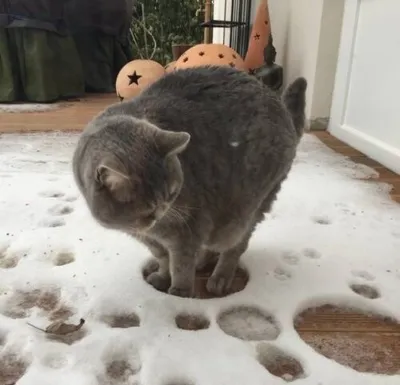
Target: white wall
x=328 y=50
x=301 y=39
x=306 y=35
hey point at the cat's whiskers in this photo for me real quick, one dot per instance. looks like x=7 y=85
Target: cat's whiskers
x=134 y=232
x=137 y=234
x=181 y=213
x=180 y=217
x=175 y=214
x=187 y=207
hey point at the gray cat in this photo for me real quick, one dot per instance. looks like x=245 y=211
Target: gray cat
x=189 y=167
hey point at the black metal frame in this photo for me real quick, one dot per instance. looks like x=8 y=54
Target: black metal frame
x=239 y=25
x=241 y=13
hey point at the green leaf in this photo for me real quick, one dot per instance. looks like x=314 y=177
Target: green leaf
x=164 y=23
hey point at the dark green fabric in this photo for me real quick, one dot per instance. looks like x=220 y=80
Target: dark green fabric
x=42 y=66
x=112 y=17
x=47 y=15
x=57 y=49
x=102 y=56
x=9 y=86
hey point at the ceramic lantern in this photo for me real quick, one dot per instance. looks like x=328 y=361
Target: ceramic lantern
x=170 y=66
x=259 y=38
x=210 y=54
x=137 y=75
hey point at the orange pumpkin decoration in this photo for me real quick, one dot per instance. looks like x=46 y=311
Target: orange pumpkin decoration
x=259 y=37
x=210 y=54
x=136 y=76
x=170 y=67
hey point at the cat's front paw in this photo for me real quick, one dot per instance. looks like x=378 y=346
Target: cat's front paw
x=151 y=266
x=220 y=284
x=181 y=292
x=158 y=281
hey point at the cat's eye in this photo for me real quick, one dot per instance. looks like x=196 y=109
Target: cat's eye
x=97 y=176
x=150 y=214
x=99 y=183
x=150 y=217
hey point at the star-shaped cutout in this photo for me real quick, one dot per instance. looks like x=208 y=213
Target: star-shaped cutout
x=201 y=53
x=266 y=22
x=257 y=36
x=252 y=71
x=121 y=99
x=134 y=78
x=232 y=64
x=221 y=56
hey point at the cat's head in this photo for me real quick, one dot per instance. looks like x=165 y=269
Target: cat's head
x=134 y=174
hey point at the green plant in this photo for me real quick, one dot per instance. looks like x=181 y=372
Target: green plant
x=159 y=24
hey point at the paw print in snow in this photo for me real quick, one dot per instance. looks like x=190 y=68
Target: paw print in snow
x=362 y=274
x=321 y=220
x=191 y=322
x=60 y=209
x=365 y=291
x=21 y=303
x=51 y=194
x=12 y=367
x=121 y=367
x=311 y=253
x=291 y=258
x=282 y=274
x=8 y=259
x=279 y=363
x=248 y=323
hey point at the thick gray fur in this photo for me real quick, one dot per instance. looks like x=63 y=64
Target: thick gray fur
x=189 y=168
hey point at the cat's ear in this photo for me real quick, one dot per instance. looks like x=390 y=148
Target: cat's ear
x=172 y=143
x=109 y=176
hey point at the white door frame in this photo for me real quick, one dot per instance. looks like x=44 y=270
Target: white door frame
x=382 y=152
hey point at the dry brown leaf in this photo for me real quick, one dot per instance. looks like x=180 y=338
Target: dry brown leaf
x=61 y=328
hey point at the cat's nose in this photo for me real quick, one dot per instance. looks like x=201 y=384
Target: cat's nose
x=151 y=224
x=160 y=212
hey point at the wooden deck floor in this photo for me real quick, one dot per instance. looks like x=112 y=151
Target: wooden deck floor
x=385 y=175
x=70 y=116
x=353 y=339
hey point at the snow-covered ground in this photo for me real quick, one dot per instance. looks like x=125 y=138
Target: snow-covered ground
x=30 y=107
x=327 y=232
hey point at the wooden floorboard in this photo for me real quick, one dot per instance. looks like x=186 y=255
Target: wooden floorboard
x=70 y=116
x=385 y=175
x=365 y=343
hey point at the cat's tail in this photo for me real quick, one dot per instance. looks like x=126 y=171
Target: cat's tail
x=294 y=98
